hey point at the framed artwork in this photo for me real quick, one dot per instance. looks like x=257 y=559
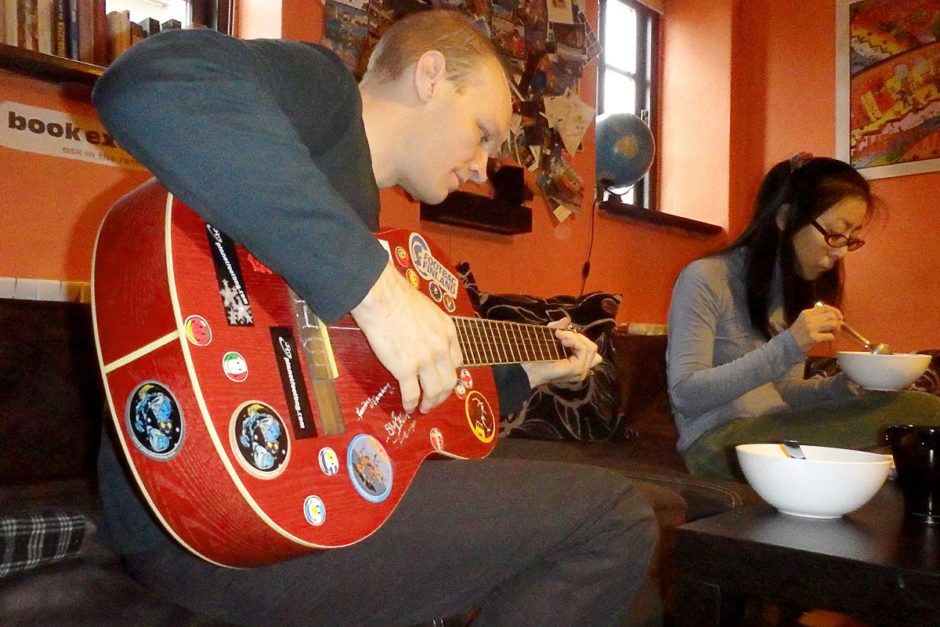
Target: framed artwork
x=888 y=86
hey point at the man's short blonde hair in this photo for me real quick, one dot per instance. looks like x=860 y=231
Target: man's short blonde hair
x=464 y=46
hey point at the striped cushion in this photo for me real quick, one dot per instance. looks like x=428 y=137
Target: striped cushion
x=36 y=538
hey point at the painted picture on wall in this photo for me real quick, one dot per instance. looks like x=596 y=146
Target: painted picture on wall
x=888 y=86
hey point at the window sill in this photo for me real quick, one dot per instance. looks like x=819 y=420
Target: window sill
x=631 y=212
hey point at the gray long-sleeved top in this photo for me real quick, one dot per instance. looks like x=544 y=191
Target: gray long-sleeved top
x=719 y=367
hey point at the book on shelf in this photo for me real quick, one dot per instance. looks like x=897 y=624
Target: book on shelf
x=27 y=31
x=71 y=29
x=149 y=26
x=8 y=34
x=137 y=32
x=45 y=26
x=119 y=32
x=86 y=31
x=101 y=36
x=60 y=24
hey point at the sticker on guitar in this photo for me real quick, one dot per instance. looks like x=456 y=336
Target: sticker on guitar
x=155 y=421
x=260 y=440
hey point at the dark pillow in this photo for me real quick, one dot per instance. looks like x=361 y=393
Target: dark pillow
x=30 y=539
x=588 y=410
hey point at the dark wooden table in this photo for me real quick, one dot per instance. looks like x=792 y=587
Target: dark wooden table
x=874 y=564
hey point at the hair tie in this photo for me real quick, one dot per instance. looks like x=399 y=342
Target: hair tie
x=798 y=160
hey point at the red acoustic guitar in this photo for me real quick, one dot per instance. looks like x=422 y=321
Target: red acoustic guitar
x=255 y=431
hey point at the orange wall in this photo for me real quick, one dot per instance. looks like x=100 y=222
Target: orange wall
x=639 y=260
x=696 y=110
x=776 y=104
x=785 y=103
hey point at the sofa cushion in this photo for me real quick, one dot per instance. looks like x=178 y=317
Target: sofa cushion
x=34 y=538
x=586 y=410
x=53 y=396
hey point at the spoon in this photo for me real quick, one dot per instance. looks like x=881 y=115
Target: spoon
x=793 y=449
x=875 y=349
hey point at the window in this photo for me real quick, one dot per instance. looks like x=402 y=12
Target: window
x=628 y=75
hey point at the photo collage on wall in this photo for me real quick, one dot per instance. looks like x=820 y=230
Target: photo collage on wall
x=545 y=44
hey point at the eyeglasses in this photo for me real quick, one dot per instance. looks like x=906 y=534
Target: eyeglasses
x=838 y=240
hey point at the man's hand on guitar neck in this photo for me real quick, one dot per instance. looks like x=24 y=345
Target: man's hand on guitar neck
x=413 y=338
x=583 y=356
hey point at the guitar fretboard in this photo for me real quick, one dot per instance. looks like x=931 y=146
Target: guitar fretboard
x=492 y=342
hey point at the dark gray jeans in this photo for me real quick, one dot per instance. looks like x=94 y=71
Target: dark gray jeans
x=526 y=542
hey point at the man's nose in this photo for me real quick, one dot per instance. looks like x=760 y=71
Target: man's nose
x=478 y=167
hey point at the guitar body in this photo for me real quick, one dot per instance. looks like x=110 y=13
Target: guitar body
x=255 y=432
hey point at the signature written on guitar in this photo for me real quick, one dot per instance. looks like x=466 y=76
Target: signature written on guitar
x=399 y=427
x=373 y=401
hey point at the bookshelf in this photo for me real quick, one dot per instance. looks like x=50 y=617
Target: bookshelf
x=47 y=66
x=217 y=14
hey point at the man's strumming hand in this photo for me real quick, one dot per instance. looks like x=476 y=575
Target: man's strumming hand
x=412 y=338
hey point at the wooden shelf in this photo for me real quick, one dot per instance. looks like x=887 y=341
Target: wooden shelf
x=622 y=210
x=47 y=66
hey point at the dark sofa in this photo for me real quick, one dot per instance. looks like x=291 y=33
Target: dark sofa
x=52 y=402
x=49 y=434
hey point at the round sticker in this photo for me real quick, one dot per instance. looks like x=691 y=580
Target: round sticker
x=314 y=510
x=402 y=256
x=413 y=278
x=197 y=331
x=154 y=421
x=437 y=439
x=329 y=461
x=235 y=367
x=260 y=439
x=466 y=378
x=435 y=291
x=370 y=469
x=480 y=416
x=449 y=303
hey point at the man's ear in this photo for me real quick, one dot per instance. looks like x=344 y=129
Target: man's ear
x=430 y=70
x=783 y=213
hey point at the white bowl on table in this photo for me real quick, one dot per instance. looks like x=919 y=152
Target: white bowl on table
x=829 y=483
x=882 y=372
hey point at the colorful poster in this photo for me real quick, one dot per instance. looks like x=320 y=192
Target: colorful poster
x=888 y=86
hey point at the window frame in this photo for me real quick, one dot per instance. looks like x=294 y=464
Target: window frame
x=647 y=80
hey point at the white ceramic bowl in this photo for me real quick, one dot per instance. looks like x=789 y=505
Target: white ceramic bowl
x=882 y=372
x=829 y=483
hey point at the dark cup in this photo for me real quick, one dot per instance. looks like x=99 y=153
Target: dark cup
x=916 y=451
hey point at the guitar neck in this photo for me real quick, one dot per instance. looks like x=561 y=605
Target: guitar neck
x=494 y=342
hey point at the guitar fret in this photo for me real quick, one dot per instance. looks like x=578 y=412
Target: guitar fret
x=522 y=345
x=490 y=342
x=493 y=341
x=512 y=336
x=478 y=343
x=505 y=347
x=472 y=349
x=493 y=330
x=461 y=339
x=535 y=345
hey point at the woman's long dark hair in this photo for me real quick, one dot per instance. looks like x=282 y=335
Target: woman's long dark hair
x=808 y=186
